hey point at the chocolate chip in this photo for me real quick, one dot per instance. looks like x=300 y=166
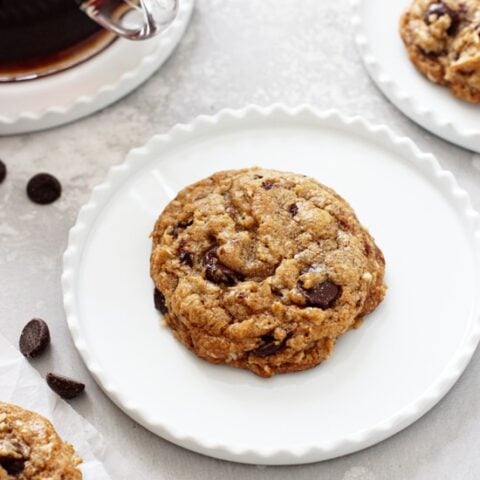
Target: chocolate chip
x=43 y=189
x=439 y=9
x=217 y=272
x=34 y=338
x=467 y=73
x=184 y=224
x=13 y=455
x=269 y=346
x=431 y=55
x=3 y=171
x=64 y=386
x=159 y=301
x=324 y=295
x=257 y=177
x=267 y=184
x=186 y=258
x=181 y=226
x=13 y=466
x=293 y=209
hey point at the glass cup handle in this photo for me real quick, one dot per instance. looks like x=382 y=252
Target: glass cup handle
x=157 y=16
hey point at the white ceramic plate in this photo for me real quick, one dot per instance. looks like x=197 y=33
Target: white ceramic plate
x=380 y=378
x=385 y=57
x=80 y=91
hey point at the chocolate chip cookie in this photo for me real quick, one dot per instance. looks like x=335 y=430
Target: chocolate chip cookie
x=443 y=42
x=263 y=270
x=30 y=449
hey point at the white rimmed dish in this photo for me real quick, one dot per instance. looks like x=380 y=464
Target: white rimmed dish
x=385 y=58
x=61 y=98
x=380 y=379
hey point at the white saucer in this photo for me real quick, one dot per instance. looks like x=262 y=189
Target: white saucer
x=80 y=91
x=385 y=57
x=381 y=377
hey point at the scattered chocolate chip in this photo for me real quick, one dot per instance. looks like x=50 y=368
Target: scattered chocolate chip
x=257 y=177
x=43 y=189
x=34 y=338
x=293 y=209
x=13 y=466
x=324 y=295
x=186 y=258
x=3 y=171
x=267 y=184
x=269 y=346
x=367 y=250
x=159 y=301
x=217 y=272
x=64 y=386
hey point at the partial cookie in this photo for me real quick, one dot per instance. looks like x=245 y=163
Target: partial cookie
x=443 y=42
x=30 y=448
x=263 y=270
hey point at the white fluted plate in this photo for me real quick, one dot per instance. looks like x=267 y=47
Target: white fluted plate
x=433 y=107
x=82 y=90
x=381 y=377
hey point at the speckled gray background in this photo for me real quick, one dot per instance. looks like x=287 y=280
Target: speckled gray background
x=235 y=52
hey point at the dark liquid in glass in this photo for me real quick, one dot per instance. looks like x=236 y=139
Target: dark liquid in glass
x=34 y=33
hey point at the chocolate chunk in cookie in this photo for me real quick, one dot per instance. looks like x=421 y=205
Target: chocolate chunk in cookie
x=159 y=301
x=186 y=257
x=13 y=455
x=217 y=272
x=324 y=295
x=293 y=209
x=269 y=346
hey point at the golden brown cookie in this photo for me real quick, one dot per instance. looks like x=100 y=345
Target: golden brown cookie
x=263 y=270
x=30 y=448
x=443 y=42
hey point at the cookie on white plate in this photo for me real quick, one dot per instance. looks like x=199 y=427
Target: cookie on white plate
x=263 y=270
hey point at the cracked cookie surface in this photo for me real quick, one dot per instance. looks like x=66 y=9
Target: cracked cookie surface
x=263 y=270
x=443 y=42
x=30 y=448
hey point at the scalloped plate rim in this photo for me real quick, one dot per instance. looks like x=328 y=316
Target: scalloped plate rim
x=305 y=453
x=424 y=116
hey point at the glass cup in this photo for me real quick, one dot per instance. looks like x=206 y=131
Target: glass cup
x=42 y=37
